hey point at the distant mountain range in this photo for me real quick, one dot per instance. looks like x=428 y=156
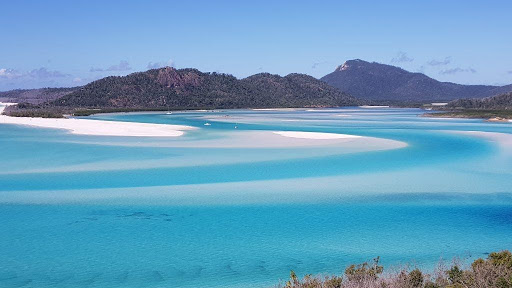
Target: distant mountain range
x=354 y=83
x=34 y=96
x=385 y=83
x=503 y=101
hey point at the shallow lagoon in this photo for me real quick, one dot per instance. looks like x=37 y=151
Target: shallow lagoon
x=85 y=211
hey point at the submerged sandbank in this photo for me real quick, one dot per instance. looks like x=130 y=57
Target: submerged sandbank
x=503 y=140
x=291 y=145
x=98 y=127
x=262 y=139
x=314 y=135
x=339 y=188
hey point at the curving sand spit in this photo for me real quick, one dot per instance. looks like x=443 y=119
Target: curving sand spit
x=98 y=127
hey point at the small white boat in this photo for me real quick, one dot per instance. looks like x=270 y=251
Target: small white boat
x=207 y=124
x=169 y=113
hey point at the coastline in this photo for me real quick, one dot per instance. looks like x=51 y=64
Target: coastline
x=497 y=116
x=374 y=106
x=98 y=127
x=242 y=139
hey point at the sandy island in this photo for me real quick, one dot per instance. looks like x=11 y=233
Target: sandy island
x=98 y=127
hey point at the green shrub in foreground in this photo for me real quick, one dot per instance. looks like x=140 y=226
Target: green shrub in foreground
x=493 y=272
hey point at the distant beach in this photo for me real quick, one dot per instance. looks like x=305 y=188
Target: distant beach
x=98 y=127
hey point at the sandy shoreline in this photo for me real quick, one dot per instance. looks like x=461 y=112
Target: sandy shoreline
x=373 y=106
x=276 y=109
x=98 y=127
x=240 y=139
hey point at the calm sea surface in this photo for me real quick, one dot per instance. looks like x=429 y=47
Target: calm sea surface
x=90 y=211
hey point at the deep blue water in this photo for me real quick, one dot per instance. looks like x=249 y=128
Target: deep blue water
x=90 y=211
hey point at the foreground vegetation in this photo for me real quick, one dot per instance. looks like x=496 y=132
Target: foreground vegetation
x=495 y=271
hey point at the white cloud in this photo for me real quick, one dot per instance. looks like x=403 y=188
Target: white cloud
x=35 y=78
x=122 y=66
x=40 y=73
x=43 y=73
x=457 y=70
x=401 y=57
x=435 y=62
x=9 y=73
x=156 y=65
x=316 y=64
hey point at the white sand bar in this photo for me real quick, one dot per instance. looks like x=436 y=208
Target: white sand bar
x=98 y=127
x=374 y=106
x=314 y=135
x=276 y=109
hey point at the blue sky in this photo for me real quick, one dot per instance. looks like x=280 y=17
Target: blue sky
x=69 y=43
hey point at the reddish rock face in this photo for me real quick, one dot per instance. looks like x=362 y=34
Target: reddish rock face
x=172 y=78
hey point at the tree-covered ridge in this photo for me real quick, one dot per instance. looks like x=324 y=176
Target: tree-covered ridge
x=390 y=84
x=190 y=88
x=498 y=102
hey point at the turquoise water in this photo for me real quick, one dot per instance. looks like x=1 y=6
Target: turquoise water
x=91 y=211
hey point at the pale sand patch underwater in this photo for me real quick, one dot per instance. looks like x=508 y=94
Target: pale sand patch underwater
x=314 y=135
x=266 y=139
x=294 y=190
x=99 y=127
x=256 y=145
x=503 y=140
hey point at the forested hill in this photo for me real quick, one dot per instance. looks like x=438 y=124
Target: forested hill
x=380 y=83
x=189 y=88
x=499 y=102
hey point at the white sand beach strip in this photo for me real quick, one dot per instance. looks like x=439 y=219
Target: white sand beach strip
x=276 y=109
x=5 y=105
x=373 y=106
x=98 y=127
